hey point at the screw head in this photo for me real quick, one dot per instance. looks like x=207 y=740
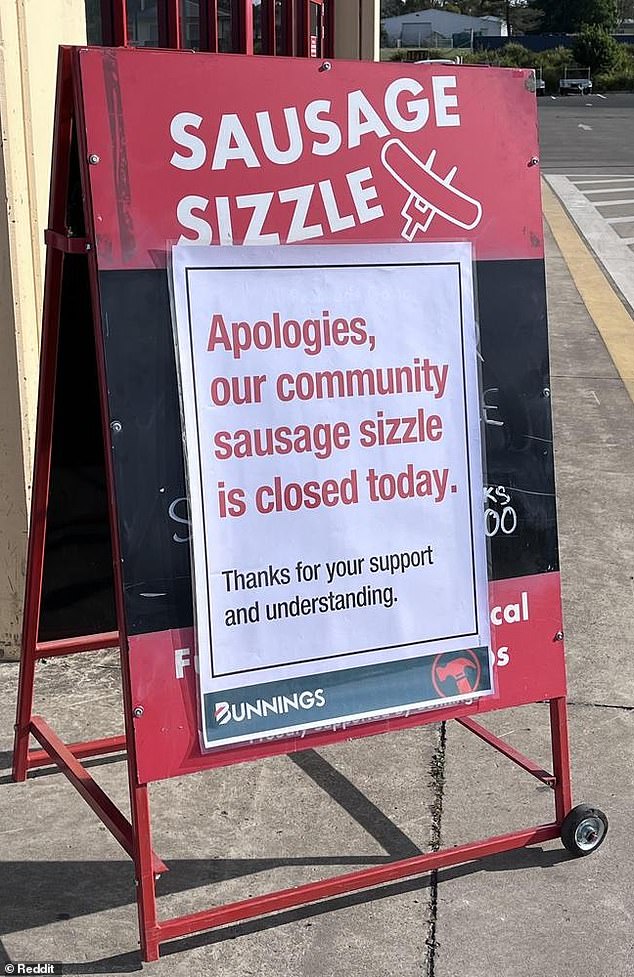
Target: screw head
x=93 y=159
x=559 y=636
x=116 y=426
x=533 y=161
x=326 y=66
x=546 y=392
x=137 y=712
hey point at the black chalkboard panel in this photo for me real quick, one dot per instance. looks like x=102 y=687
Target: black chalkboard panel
x=147 y=449
x=511 y=308
x=78 y=588
x=146 y=442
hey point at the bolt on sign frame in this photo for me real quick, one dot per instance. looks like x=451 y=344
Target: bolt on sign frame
x=113 y=208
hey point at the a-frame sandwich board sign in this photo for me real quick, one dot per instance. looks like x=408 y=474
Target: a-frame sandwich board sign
x=151 y=147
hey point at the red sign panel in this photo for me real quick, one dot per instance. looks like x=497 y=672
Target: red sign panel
x=229 y=150
x=270 y=150
x=526 y=616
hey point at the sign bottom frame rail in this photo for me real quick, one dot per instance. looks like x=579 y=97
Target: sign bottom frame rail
x=135 y=836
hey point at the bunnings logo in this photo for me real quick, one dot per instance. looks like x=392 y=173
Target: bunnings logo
x=279 y=705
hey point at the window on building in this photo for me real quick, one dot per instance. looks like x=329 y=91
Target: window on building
x=279 y=26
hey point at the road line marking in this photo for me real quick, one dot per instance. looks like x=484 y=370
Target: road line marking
x=608 y=312
x=608 y=190
x=619 y=220
x=611 y=203
x=609 y=179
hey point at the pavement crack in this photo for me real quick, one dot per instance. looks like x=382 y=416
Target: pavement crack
x=437 y=771
x=600 y=705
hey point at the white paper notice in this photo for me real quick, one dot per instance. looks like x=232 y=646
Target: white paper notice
x=332 y=424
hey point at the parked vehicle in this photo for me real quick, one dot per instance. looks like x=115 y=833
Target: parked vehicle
x=575 y=79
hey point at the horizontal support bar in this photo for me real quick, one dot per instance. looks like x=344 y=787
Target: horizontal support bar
x=73 y=646
x=367 y=878
x=66 y=242
x=509 y=751
x=96 y=798
x=113 y=744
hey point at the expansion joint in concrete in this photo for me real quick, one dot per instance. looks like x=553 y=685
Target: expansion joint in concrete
x=437 y=772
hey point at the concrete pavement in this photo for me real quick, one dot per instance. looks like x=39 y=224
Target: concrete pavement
x=534 y=913
x=68 y=892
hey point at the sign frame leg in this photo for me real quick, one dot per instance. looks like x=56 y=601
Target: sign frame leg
x=145 y=862
x=46 y=399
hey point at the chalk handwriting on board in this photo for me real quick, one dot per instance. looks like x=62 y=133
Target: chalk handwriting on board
x=488 y=406
x=502 y=518
x=179 y=512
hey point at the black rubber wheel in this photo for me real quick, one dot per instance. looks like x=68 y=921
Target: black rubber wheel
x=584 y=830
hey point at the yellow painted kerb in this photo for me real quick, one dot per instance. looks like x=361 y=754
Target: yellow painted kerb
x=610 y=316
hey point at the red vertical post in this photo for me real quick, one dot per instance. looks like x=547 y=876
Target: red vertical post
x=114 y=23
x=45 y=411
x=289 y=15
x=144 y=872
x=169 y=27
x=242 y=24
x=139 y=800
x=209 y=25
x=561 y=757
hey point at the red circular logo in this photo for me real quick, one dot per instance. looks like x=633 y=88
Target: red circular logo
x=456 y=673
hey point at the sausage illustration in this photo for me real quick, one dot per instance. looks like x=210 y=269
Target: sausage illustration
x=428 y=193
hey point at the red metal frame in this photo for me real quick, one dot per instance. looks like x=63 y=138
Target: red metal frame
x=295 y=29
x=169 y=23
x=62 y=139
x=508 y=751
x=135 y=835
x=114 y=23
x=209 y=26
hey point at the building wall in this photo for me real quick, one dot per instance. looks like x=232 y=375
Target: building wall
x=442 y=22
x=29 y=36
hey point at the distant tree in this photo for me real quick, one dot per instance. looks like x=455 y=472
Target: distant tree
x=570 y=16
x=521 y=16
x=391 y=8
x=596 y=49
x=514 y=56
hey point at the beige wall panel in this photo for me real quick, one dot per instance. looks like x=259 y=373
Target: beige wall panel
x=30 y=32
x=357 y=29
